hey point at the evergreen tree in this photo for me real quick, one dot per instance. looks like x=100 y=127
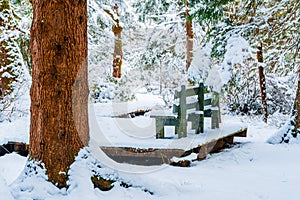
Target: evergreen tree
x=13 y=71
x=273 y=24
x=164 y=50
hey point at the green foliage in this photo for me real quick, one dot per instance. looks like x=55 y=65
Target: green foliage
x=218 y=37
x=275 y=24
x=208 y=11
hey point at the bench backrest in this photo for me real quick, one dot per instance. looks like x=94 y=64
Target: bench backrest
x=196 y=117
x=198 y=91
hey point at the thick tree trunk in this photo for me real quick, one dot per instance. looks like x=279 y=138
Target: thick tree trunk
x=262 y=84
x=189 y=38
x=59 y=91
x=296 y=112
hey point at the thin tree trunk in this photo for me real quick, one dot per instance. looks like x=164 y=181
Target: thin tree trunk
x=262 y=84
x=160 y=77
x=189 y=37
x=59 y=91
x=118 y=53
x=296 y=112
x=1 y=86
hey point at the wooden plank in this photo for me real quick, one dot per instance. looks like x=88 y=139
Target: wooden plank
x=215 y=112
x=153 y=156
x=18 y=147
x=161 y=121
x=229 y=139
x=194 y=118
x=182 y=127
x=159 y=127
x=213 y=146
x=201 y=102
x=175 y=108
x=163 y=116
x=241 y=133
x=188 y=92
x=214 y=119
x=192 y=91
x=202 y=152
x=207 y=113
x=194 y=105
x=146 y=157
x=207 y=101
x=171 y=122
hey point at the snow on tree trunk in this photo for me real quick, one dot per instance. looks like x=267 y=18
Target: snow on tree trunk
x=59 y=92
x=262 y=83
x=189 y=37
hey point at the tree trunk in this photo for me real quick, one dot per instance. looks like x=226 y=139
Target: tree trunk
x=262 y=84
x=59 y=91
x=189 y=38
x=296 y=112
x=1 y=86
x=118 y=53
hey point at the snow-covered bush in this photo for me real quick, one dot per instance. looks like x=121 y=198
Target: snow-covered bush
x=102 y=92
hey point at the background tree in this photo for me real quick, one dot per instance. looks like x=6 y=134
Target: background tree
x=14 y=77
x=292 y=127
x=59 y=92
x=275 y=24
x=162 y=58
x=262 y=83
x=189 y=36
x=117 y=30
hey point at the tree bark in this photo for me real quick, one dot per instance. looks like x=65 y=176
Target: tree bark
x=189 y=37
x=59 y=91
x=118 y=53
x=262 y=84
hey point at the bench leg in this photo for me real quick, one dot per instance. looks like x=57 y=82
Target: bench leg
x=201 y=124
x=214 y=119
x=182 y=129
x=159 y=123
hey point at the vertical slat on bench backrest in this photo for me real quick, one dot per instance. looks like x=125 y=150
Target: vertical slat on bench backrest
x=215 y=111
x=201 y=108
x=182 y=127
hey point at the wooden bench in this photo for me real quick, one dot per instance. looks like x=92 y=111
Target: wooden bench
x=184 y=111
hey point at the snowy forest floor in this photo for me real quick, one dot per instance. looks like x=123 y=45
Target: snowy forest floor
x=252 y=169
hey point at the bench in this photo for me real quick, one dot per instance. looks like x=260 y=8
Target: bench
x=185 y=110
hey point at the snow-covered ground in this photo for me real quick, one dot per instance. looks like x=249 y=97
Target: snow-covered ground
x=253 y=169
